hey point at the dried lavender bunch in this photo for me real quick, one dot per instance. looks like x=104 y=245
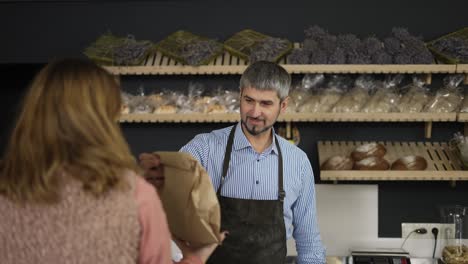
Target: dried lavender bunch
x=197 y=52
x=400 y=33
x=130 y=51
x=371 y=45
x=269 y=49
x=315 y=32
x=392 y=45
x=329 y=43
x=411 y=46
x=318 y=57
x=402 y=58
x=338 y=56
x=356 y=57
x=381 y=57
x=299 y=56
x=310 y=44
x=348 y=41
x=424 y=57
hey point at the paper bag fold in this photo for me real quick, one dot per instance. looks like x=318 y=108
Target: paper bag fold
x=189 y=199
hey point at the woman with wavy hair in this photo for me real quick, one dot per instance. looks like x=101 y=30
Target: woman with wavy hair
x=70 y=190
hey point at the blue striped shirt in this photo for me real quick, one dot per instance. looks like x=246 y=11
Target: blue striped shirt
x=253 y=175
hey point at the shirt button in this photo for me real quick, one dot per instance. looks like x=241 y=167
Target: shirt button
x=258 y=160
x=256 y=182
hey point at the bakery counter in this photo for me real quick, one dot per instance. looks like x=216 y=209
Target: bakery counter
x=443 y=163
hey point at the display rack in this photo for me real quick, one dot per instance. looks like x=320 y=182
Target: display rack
x=444 y=163
x=158 y=64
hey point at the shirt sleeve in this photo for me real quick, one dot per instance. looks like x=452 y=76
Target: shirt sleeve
x=306 y=233
x=198 y=148
x=155 y=246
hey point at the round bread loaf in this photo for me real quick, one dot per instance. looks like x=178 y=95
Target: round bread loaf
x=410 y=162
x=338 y=162
x=368 y=150
x=372 y=163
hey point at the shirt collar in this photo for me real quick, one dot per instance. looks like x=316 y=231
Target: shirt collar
x=241 y=141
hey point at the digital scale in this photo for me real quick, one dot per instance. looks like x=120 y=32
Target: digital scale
x=379 y=256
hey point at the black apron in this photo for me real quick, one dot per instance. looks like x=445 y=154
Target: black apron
x=257 y=233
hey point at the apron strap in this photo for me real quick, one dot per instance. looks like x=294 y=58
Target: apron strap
x=227 y=158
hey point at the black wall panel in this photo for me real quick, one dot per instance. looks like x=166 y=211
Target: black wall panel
x=35 y=31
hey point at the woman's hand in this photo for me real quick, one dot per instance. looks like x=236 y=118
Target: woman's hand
x=153 y=169
x=203 y=252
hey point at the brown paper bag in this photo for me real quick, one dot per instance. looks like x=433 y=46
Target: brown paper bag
x=189 y=199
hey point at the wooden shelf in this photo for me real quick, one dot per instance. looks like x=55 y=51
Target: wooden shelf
x=180 y=118
x=158 y=64
x=462 y=117
x=293 y=117
x=444 y=164
x=462 y=68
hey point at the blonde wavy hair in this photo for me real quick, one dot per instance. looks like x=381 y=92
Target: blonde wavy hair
x=68 y=125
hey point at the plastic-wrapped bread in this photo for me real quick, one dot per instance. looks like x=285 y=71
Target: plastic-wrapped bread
x=414 y=100
x=322 y=102
x=165 y=109
x=383 y=101
x=352 y=101
x=448 y=98
x=302 y=93
x=386 y=98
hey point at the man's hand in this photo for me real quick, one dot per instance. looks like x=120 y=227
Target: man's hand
x=153 y=169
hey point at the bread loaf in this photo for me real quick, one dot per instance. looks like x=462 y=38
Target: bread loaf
x=368 y=150
x=338 y=162
x=372 y=163
x=410 y=162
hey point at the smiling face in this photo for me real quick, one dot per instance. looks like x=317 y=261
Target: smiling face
x=260 y=109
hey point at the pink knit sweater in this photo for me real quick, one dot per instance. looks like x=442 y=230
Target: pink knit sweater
x=120 y=227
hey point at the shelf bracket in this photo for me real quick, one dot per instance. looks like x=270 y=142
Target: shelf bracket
x=117 y=79
x=288 y=130
x=453 y=184
x=428 y=78
x=428 y=129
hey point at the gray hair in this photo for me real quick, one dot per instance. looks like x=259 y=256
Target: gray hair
x=267 y=76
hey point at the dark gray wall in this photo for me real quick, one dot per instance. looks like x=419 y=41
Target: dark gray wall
x=35 y=31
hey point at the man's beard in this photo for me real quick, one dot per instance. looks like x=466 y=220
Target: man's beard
x=253 y=130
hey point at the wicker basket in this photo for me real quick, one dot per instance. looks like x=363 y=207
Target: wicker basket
x=242 y=43
x=172 y=46
x=102 y=50
x=444 y=57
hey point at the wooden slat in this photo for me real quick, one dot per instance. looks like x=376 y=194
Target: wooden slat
x=180 y=118
x=296 y=117
x=462 y=68
x=443 y=162
x=462 y=117
x=369 y=117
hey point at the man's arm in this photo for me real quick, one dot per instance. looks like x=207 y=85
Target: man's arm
x=306 y=233
x=198 y=147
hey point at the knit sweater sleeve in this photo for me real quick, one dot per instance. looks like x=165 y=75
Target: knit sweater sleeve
x=155 y=246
